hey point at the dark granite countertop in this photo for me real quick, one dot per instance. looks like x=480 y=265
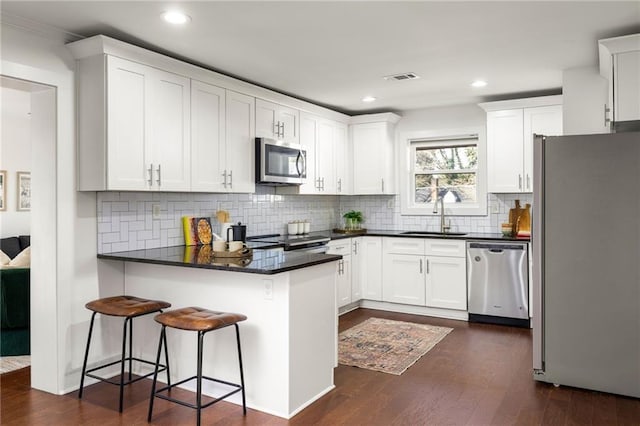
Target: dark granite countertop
x=265 y=260
x=391 y=233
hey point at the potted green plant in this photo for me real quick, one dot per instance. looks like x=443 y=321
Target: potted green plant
x=353 y=219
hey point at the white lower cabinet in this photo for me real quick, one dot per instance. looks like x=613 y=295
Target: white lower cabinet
x=403 y=279
x=446 y=282
x=370 y=267
x=344 y=270
x=424 y=272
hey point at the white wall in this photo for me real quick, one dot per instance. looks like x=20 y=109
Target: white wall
x=15 y=155
x=450 y=117
x=64 y=264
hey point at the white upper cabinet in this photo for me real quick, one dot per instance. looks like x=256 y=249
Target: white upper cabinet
x=222 y=127
x=342 y=160
x=510 y=139
x=208 y=149
x=239 y=173
x=277 y=121
x=373 y=138
x=135 y=135
x=620 y=65
x=320 y=138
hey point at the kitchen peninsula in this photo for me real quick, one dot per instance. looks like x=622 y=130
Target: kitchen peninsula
x=288 y=341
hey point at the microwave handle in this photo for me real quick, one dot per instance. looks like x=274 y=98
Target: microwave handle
x=304 y=163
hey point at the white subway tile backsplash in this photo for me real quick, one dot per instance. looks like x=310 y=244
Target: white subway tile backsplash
x=125 y=220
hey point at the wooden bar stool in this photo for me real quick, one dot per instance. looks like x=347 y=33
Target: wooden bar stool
x=202 y=321
x=128 y=307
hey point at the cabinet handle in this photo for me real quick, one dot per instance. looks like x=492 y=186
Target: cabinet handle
x=340 y=185
x=322 y=184
x=528 y=181
x=159 y=180
x=231 y=179
x=150 y=170
x=318 y=184
x=282 y=131
x=427 y=266
x=382 y=185
x=420 y=265
x=225 y=179
x=607 y=120
x=520 y=181
x=276 y=128
x=355 y=247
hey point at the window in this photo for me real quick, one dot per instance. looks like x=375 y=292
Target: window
x=448 y=170
x=446 y=166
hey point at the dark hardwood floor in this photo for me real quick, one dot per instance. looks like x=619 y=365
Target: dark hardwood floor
x=478 y=375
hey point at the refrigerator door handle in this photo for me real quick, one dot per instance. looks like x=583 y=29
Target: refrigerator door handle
x=537 y=240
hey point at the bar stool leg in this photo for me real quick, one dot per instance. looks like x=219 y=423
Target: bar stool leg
x=163 y=338
x=122 y=361
x=86 y=356
x=166 y=359
x=130 y=348
x=244 y=403
x=199 y=377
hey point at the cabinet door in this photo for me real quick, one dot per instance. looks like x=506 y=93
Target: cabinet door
x=308 y=136
x=207 y=137
x=342 y=160
x=325 y=163
x=370 y=268
x=403 y=279
x=626 y=86
x=505 y=150
x=356 y=264
x=127 y=162
x=169 y=131
x=367 y=139
x=446 y=282
x=240 y=142
x=266 y=119
x=289 y=121
x=343 y=281
x=546 y=120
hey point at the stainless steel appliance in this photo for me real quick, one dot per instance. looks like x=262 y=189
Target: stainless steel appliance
x=312 y=243
x=280 y=163
x=497 y=276
x=586 y=247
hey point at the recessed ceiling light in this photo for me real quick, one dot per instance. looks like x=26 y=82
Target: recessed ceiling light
x=479 y=83
x=368 y=99
x=175 y=17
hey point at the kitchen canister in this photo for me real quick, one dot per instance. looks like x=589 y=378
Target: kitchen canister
x=293 y=228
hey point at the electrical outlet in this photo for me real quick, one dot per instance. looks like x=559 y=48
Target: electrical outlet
x=268 y=289
x=155 y=211
x=495 y=208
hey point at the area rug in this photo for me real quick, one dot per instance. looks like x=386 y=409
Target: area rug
x=386 y=345
x=10 y=363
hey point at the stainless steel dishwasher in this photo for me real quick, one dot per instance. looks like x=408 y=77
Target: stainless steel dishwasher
x=498 y=282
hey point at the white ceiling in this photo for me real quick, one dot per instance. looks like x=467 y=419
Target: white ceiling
x=334 y=53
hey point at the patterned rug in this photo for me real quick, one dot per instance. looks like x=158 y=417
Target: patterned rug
x=386 y=345
x=10 y=363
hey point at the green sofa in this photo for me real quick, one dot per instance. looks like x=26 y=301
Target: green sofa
x=14 y=302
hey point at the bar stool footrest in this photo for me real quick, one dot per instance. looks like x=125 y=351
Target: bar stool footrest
x=195 y=406
x=161 y=368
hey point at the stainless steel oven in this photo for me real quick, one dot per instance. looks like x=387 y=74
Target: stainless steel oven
x=280 y=163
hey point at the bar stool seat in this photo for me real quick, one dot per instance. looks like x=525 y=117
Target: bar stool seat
x=201 y=321
x=128 y=307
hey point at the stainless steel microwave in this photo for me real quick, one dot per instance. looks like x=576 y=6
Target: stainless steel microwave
x=280 y=163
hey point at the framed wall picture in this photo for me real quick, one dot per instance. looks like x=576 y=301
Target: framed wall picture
x=24 y=191
x=3 y=190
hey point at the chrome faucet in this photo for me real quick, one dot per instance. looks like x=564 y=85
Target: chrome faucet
x=443 y=228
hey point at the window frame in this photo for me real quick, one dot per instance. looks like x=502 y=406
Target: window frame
x=445 y=137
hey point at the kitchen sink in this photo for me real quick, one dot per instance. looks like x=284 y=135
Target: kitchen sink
x=432 y=233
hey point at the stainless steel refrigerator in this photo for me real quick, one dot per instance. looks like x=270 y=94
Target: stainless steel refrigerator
x=586 y=260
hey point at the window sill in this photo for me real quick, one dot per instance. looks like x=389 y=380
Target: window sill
x=427 y=210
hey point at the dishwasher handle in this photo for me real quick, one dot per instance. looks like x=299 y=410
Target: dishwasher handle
x=496 y=248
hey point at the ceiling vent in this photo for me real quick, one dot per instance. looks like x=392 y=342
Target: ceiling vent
x=403 y=76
